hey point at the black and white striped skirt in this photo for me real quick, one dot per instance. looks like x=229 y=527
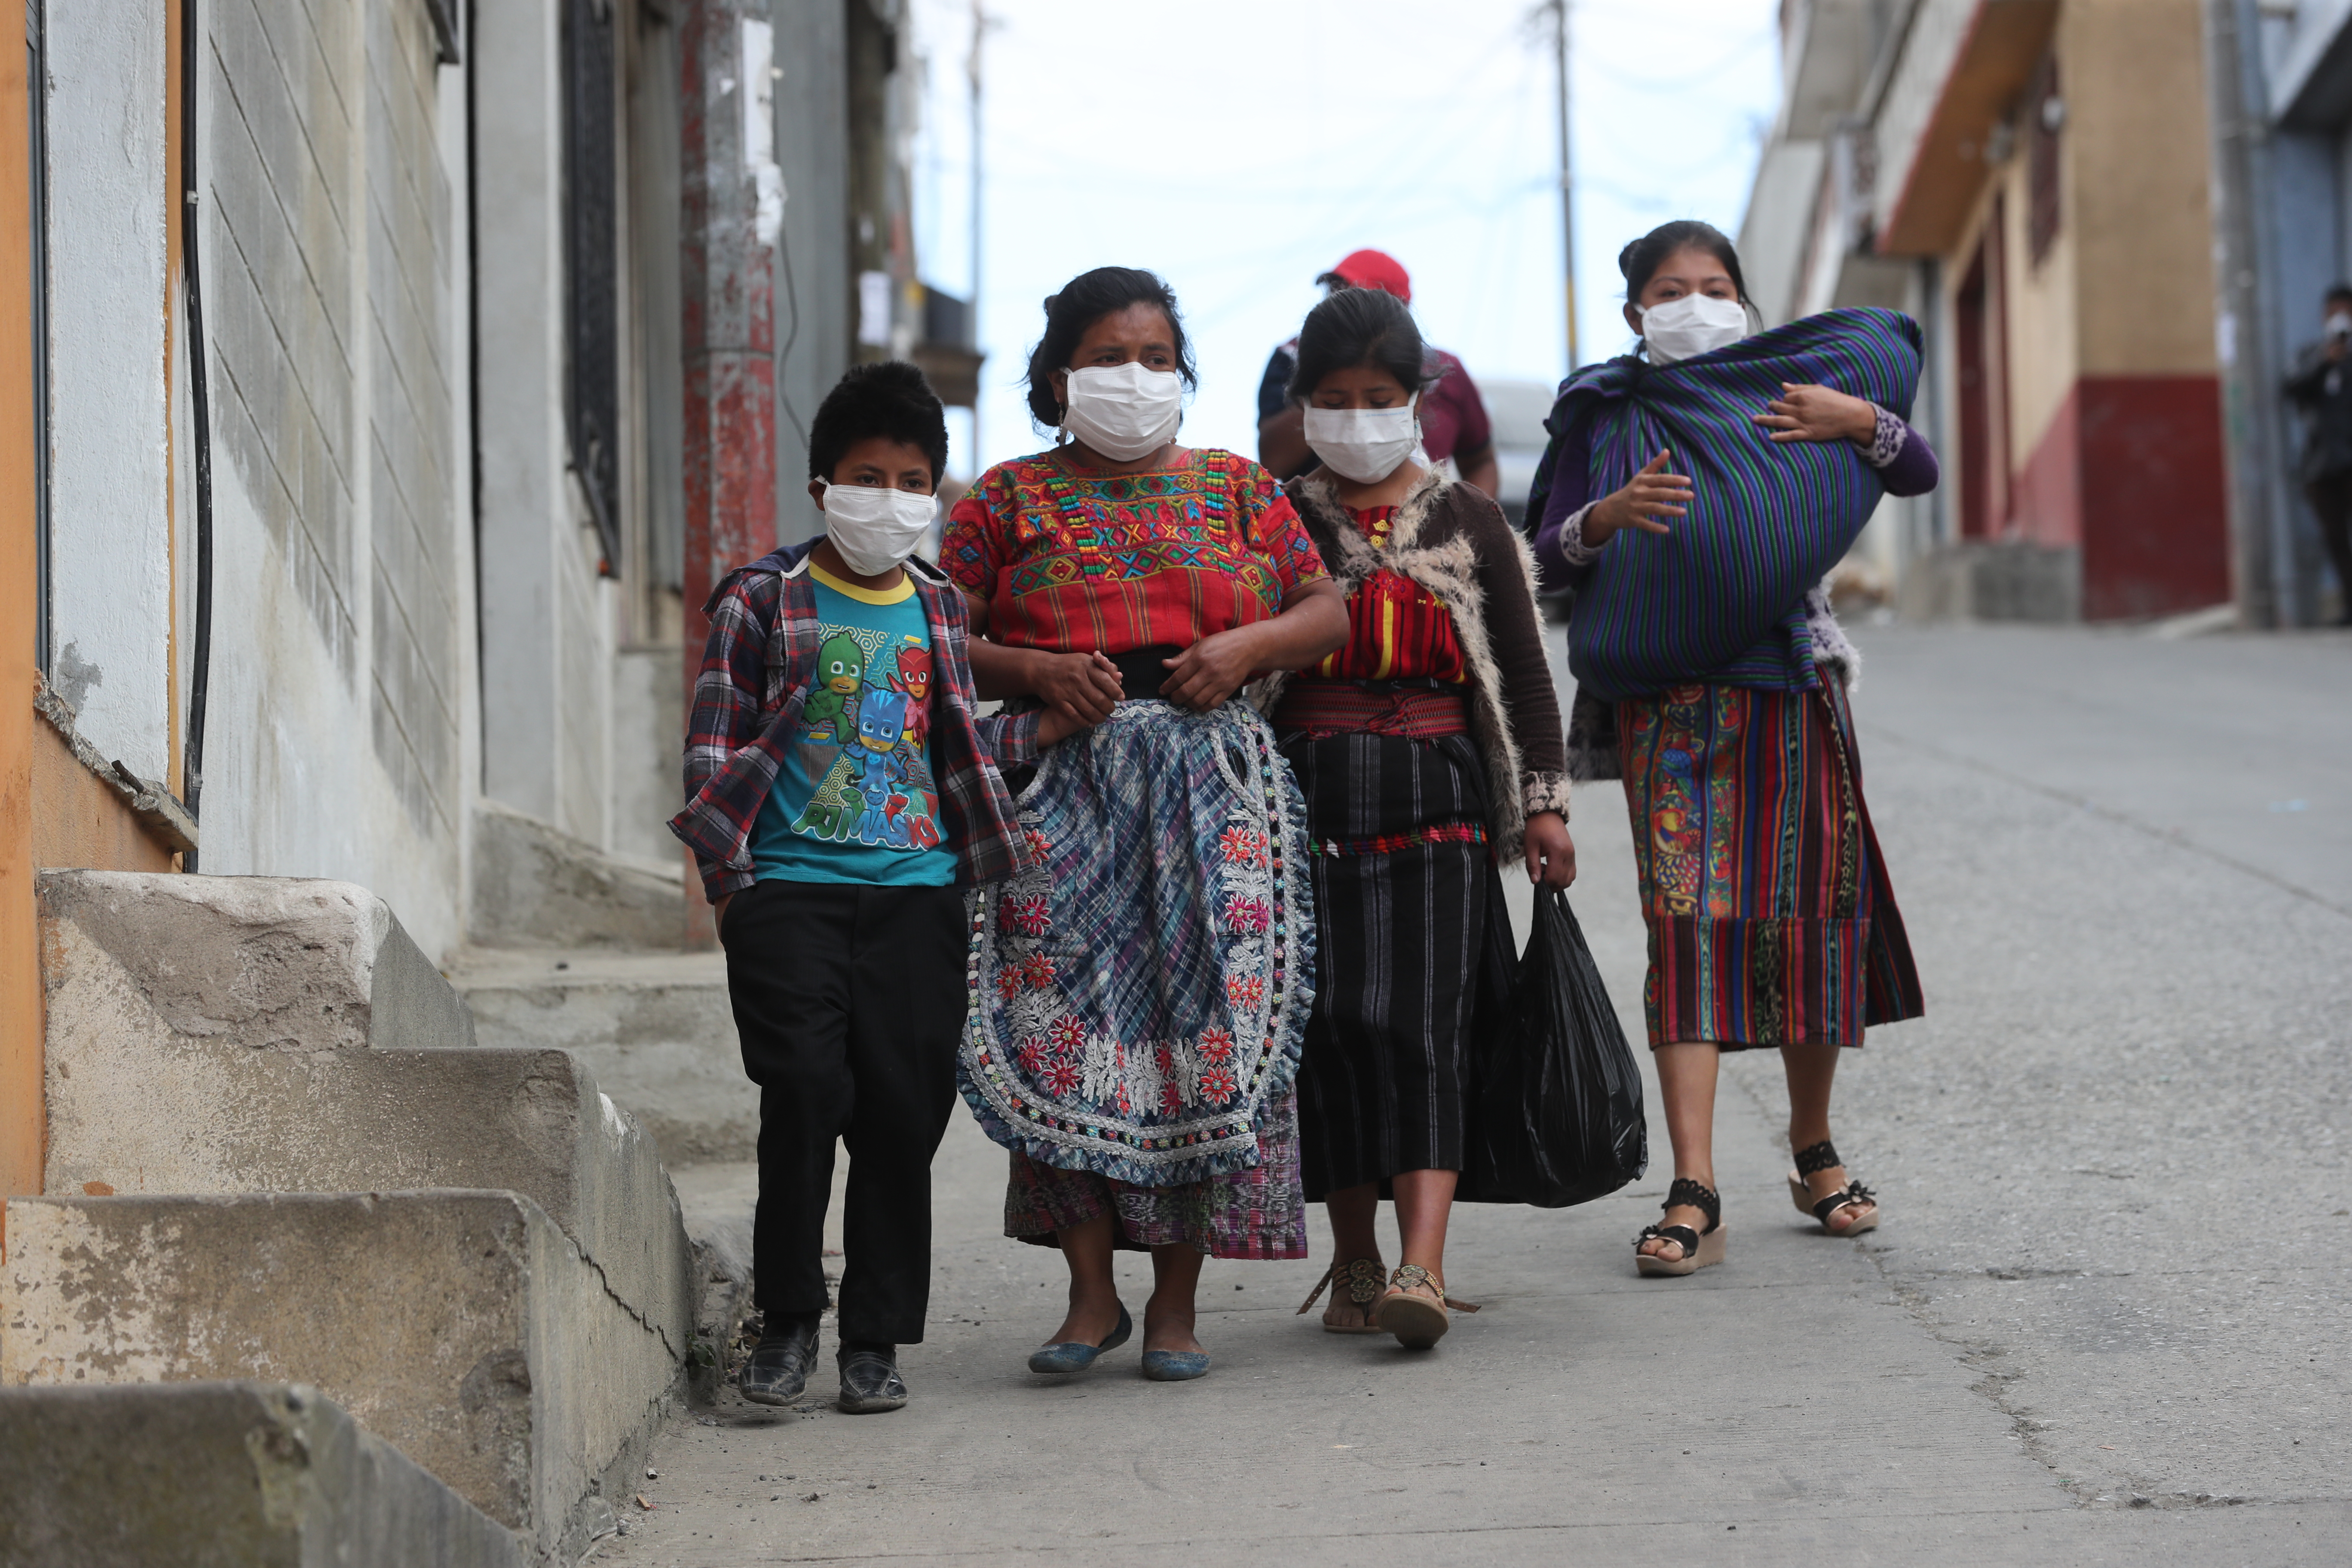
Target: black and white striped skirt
x=1410 y=930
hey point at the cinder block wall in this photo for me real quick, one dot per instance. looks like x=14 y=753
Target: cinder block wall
x=331 y=144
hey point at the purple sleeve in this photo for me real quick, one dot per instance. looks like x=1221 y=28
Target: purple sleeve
x=1570 y=490
x=1905 y=463
x=1913 y=469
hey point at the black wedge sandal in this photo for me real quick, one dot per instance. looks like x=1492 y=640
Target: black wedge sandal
x=1701 y=1248
x=1824 y=1156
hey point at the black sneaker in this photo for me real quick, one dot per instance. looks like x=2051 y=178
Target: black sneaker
x=779 y=1366
x=870 y=1383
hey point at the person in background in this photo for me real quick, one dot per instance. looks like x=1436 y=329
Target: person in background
x=1711 y=677
x=841 y=795
x=1454 y=421
x=2322 y=387
x=1140 y=997
x=1429 y=750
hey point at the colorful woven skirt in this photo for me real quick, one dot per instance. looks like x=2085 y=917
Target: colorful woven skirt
x=1139 y=995
x=1410 y=922
x=1770 y=917
x=1259 y=1213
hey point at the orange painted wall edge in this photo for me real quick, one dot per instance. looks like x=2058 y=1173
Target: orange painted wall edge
x=23 y=1115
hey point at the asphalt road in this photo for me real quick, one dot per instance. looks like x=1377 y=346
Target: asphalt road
x=2106 y=1320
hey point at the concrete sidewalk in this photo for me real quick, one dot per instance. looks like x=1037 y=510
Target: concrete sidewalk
x=2104 y=1321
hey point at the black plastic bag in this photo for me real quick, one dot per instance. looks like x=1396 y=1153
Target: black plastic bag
x=1558 y=1115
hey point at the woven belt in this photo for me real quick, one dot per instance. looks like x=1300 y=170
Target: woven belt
x=1414 y=709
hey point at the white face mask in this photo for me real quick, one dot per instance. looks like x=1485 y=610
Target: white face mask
x=2339 y=324
x=1366 y=444
x=1123 y=411
x=1693 y=325
x=876 y=529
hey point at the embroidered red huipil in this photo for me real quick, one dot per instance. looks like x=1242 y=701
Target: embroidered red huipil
x=1397 y=629
x=1080 y=563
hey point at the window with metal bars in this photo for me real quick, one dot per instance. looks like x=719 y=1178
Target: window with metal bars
x=591 y=281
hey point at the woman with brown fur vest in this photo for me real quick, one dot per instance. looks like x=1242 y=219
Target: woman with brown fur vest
x=1429 y=750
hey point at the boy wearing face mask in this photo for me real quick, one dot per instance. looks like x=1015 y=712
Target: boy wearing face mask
x=841 y=795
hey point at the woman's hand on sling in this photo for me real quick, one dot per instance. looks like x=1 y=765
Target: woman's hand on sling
x=1649 y=496
x=1551 y=853
x=1819 y=414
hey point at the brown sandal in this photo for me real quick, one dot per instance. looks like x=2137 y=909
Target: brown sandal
x=1417 y=1321
x=1361 y=1281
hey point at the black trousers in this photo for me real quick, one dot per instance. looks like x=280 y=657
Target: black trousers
x=849 y=1001
x=2331 y=498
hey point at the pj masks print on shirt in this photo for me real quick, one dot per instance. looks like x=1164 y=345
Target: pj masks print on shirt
x=861 y=738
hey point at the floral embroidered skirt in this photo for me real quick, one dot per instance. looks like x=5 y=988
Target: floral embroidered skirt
x=1140 y=993
x=1771 y=920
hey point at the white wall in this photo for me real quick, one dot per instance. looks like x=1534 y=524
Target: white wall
x=110 y=570
x=339 y=742
x=547 y=641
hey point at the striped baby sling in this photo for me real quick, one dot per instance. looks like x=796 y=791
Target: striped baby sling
x=1721 y=598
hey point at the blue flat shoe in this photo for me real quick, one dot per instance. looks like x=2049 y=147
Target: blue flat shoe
x=1075 y=1355
x=1175 y=1366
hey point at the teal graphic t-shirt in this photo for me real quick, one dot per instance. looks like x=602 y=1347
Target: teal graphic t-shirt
x=856 y=800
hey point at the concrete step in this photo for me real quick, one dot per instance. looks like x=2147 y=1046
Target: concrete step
x=290 y=962
x=223 y=1475
x=475 y=1250
x=201 y=1039
x=463 y=1328
x=654 y=1027
x=536 y=886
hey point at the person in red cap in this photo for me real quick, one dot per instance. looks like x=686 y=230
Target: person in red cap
x=1453 y=417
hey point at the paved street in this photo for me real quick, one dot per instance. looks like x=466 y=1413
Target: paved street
x=2106 y=1320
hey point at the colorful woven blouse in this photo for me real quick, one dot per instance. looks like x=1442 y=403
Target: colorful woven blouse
x=1397 y=629
x=1078 y=563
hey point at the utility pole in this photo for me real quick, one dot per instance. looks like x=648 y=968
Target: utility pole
x=2235 y=97
x=972 y=311
x=1567 y=183
x=727 y=286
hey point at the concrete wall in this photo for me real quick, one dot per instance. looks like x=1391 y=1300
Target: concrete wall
x=532 y=539
x=1912 y=91
x=2137 y=207
x=332 y=146
x=1778 y=229
x=649 y=709
x=2107 y=457
x=111 y=529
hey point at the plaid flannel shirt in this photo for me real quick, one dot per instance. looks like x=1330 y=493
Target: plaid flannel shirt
x=757 y=669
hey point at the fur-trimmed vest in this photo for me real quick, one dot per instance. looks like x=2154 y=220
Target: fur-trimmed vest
x=1454 y=541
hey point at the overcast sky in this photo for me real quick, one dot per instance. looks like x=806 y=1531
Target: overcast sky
x=1240 y=147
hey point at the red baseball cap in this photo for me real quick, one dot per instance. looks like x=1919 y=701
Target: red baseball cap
x=1372 y=269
